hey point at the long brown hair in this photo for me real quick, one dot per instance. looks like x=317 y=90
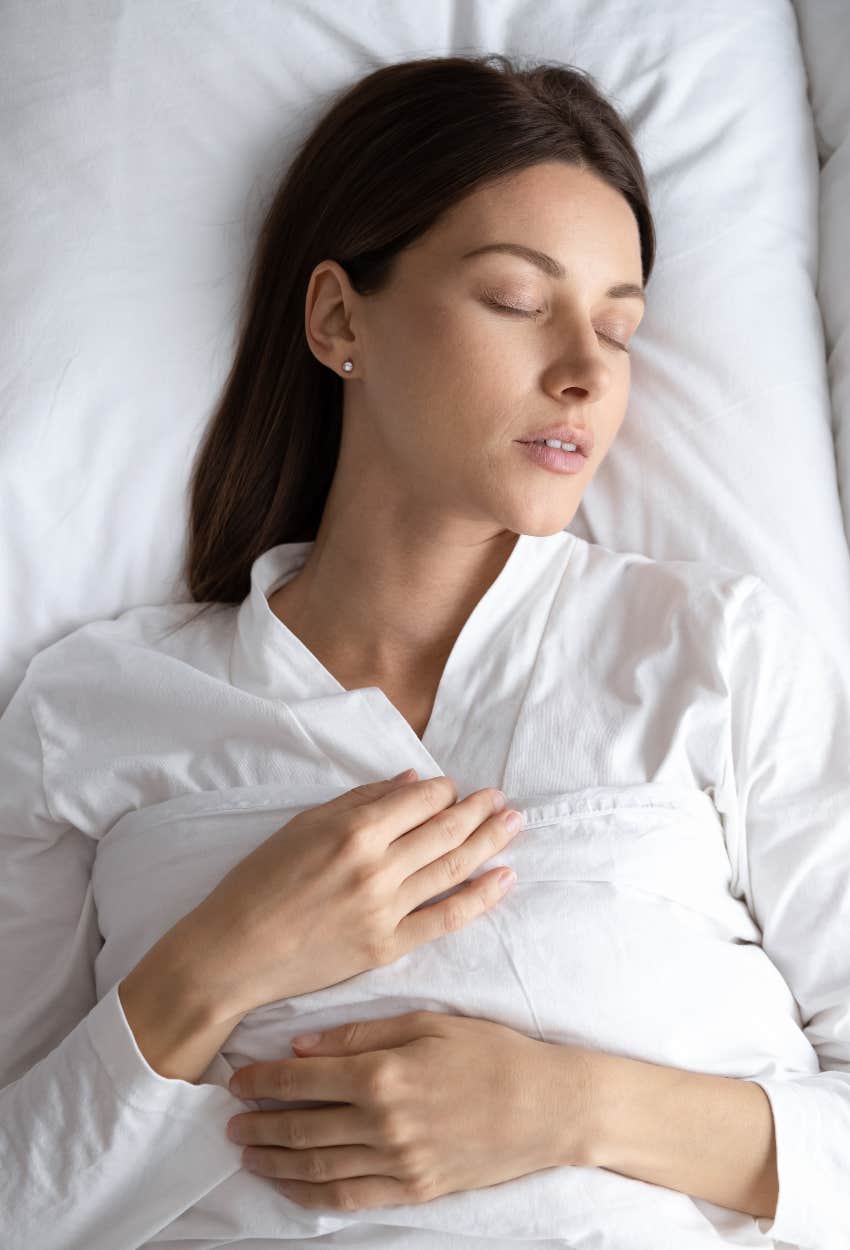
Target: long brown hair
x=394 y=152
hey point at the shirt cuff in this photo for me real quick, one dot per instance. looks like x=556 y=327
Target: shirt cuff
x=140 y=1086
x=811 y=1119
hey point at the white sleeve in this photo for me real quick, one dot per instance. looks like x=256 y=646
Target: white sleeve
x=790 y=831
x=97 y=1150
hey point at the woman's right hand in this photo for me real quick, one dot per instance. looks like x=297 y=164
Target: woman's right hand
x=333 y=892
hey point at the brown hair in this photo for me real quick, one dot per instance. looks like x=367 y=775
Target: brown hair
x=392 y=154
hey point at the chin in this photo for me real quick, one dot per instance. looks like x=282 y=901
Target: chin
x=547 y=526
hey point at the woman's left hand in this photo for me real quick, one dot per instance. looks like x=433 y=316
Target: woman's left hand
x=421 y=1104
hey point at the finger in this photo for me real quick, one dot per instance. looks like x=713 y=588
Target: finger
x=291 y=1080
x=435 y=920
x=394 y=813
x=371 y=791
x=356 y=1036
x=337 y=1163
x=444 y=850
x=354 y=1194
x=303 y=1128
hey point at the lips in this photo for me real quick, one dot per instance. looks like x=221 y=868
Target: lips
x=583 y=439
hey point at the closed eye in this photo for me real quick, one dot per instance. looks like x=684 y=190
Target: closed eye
x=536 y=312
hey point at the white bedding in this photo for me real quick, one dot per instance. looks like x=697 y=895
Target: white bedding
x=140 y=142
x=825 y=38
x=138 y=148
x=677 y=898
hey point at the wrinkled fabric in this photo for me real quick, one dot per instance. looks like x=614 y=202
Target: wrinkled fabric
x=678 y=745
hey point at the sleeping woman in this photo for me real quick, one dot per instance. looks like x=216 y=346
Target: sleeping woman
x=291 y=812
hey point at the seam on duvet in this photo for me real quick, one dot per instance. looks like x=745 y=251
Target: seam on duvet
x=600 y=811
x=234 y=805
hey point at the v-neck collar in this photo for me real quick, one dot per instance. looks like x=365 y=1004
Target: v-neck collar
x=268 y=659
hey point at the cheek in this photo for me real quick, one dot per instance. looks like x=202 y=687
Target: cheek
x=484 y=373
x=447 y=373
x=415 y=356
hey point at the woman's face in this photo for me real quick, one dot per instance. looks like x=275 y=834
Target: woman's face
x=445 y=384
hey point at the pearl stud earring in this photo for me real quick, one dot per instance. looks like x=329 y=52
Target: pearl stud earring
x=348 y=365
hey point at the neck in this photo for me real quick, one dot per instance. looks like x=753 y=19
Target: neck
x=390 y=610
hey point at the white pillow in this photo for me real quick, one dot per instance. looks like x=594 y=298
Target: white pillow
x=139 y=146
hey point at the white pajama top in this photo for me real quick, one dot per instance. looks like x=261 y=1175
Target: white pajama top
x=679 y=746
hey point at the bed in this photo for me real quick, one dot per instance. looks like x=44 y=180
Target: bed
x=140 y=147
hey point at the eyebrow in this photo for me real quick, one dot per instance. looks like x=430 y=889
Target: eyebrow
x=550 y=266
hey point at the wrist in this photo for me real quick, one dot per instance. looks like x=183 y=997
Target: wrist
x=174 y=1013
x=569 y=1100
x=605 y=1074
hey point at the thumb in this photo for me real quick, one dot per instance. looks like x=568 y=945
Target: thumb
x=362 y=1035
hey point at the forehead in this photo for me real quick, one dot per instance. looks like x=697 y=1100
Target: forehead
x=570 y=213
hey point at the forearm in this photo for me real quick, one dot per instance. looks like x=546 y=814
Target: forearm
x=708 y=1136
x=174 y=1007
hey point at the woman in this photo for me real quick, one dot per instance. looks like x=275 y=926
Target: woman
x=449 y=275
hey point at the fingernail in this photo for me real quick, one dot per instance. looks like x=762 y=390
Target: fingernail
x=506 y=880
x=401 y=778
x=306 y=1040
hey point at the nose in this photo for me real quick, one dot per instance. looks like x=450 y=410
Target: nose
x=582 y=367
